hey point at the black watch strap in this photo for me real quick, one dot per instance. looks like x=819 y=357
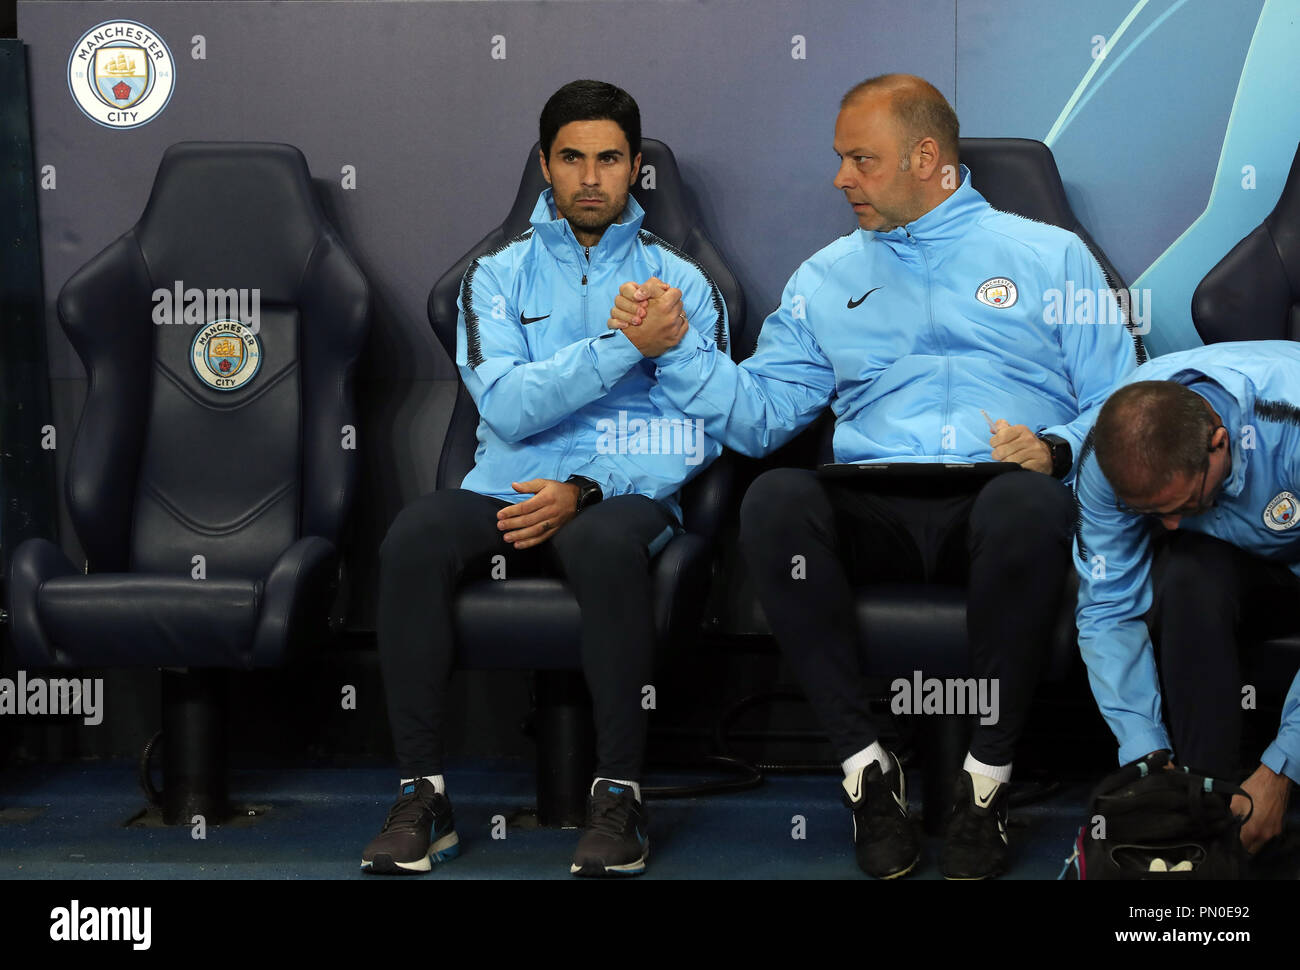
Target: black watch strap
x=589 y=492
x=1062 y=454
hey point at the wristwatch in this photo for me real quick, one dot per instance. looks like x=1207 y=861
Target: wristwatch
x=589 y=492
x=1062 y=454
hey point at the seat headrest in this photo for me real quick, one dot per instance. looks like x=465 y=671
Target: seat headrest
x=1019 y=175
x=229 y=212
x=1253 y=293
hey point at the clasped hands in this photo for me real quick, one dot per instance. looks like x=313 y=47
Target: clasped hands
x=650 y=314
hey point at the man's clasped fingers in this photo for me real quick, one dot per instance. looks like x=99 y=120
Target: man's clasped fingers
x=633 y=302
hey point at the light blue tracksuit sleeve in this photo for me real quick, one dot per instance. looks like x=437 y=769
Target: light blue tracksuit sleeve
x=755 y=407
x=516 y=396
x=1283 y=755
x=1098 y=354
x=656 y=460
x=1112 y=554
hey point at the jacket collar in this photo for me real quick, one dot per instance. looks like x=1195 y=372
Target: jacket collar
x=1233 y=397
x=556 y=234
x=946 y=222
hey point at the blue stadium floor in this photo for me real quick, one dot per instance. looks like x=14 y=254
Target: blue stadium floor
x=69 y=822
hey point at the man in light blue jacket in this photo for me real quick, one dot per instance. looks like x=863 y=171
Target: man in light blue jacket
x=576 y=472
x=938 y=311
x=1206 y=443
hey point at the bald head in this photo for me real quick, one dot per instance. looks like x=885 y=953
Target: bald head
x=917 y=107
x=1149 y=432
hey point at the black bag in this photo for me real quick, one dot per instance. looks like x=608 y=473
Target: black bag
x=1148 y=823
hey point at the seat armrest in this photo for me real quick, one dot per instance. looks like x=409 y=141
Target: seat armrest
x=295 y=606
x=35 y=562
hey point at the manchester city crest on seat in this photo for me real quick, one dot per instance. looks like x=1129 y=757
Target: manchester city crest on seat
x=226 y=354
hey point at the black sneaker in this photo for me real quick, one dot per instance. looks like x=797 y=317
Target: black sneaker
x=976 y=843
x=883 y=834
x=615 y=841
x=402 y=845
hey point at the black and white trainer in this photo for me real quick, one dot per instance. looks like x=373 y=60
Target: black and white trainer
x=420 y=830
x=975 y=846
x=884 y=835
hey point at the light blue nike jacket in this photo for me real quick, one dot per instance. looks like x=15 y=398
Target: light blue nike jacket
x=1254 y=386
x=559 y=393
x=908 y=334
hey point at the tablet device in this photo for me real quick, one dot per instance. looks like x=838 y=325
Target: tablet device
x=899 y=470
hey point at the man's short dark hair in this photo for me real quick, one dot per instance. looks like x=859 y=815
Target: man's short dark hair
x=1149 y=432
x=918 y=107
x=590 y=101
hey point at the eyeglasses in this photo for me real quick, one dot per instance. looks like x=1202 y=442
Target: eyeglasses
x=1200 y=507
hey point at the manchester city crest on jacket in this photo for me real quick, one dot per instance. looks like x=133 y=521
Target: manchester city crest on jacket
x=1280 y=514
x=999 y=292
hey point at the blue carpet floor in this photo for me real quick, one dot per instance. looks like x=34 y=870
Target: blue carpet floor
x=69 y=822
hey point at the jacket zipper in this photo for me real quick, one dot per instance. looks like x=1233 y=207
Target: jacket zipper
x=586 y=251
x=939 y=344
x=572 y=435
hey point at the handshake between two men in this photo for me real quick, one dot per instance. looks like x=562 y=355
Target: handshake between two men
x=650 y=315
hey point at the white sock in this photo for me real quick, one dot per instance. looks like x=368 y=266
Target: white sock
x=999 y=773
x=873 y=752
x=636 y=788
x=437 y=781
